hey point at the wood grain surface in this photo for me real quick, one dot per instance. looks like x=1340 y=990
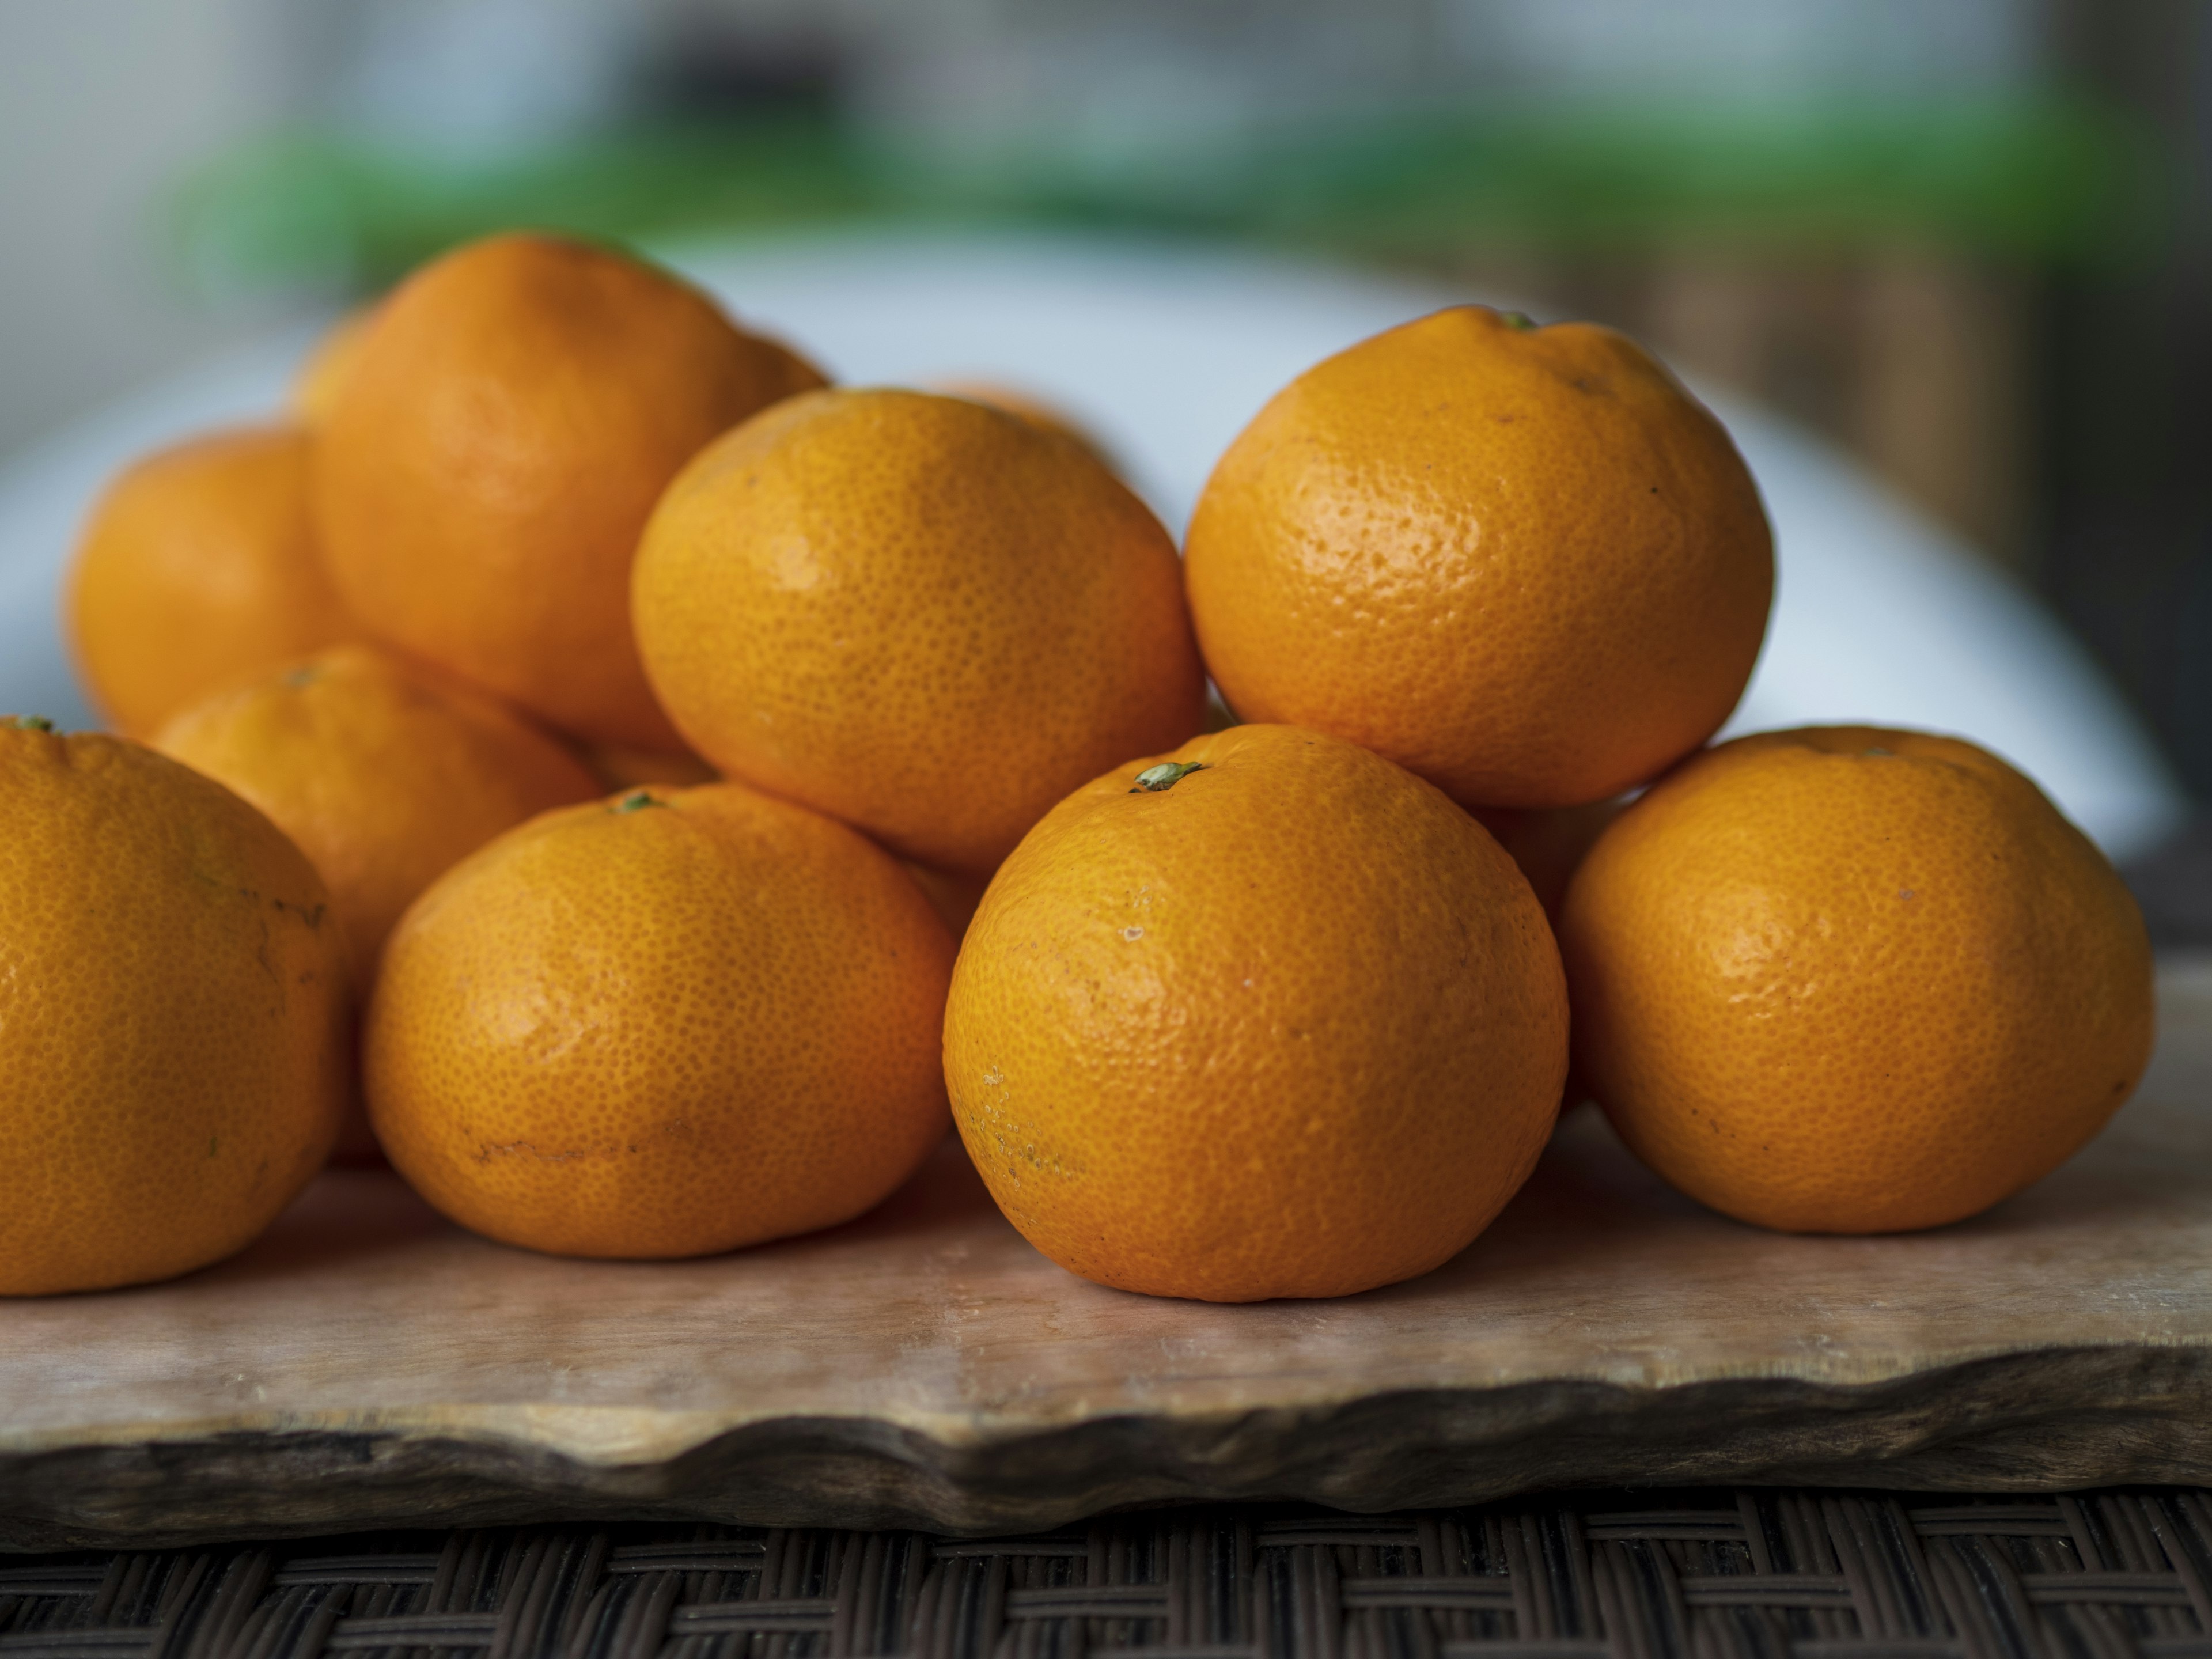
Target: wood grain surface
x=368 y=1364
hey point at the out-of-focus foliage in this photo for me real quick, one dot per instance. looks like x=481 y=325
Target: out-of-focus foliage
x=314 y=210
x=2043 y=179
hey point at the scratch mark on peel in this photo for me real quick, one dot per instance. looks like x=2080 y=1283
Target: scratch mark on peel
x=487 y=1151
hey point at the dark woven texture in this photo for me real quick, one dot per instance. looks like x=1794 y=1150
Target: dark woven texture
x=1839 y=1576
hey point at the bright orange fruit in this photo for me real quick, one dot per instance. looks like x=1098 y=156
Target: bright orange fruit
x=486 y=464
x=384 y=774
x=1268 y=1016
x=927 y=617
x=173 y=1017
x=1523 y=562
x=1849 y=980
x=662 y=1025
x=197 y=568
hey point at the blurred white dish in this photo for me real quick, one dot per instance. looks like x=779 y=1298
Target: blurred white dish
x=1166 y=351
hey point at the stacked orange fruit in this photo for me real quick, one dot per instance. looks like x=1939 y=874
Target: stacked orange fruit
x=692 y=787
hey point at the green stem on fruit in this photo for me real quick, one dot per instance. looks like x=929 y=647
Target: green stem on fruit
x=1166 y=776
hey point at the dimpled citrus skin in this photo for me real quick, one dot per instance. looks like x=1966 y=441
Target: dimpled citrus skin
x=485 y=464
x=1849 y=980
x=927 y=617
x=665 y=1025
x=1293 y=1026
x=1522 y=561
x=198 y=567
x=173 y=1017
x=384 y=774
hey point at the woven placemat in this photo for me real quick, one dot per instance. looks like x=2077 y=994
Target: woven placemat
x=1824 y=1575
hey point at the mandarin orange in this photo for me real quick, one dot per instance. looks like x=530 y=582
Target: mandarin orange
x=667 y=1024
x=1523 y=562
x=1269 y=1017
x=493 y=450
x=173 y=1016
x=1850 y=980
x=384 y=773
x=927 y=617
x=196 y=568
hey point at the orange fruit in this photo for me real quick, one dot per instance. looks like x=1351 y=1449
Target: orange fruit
x=315 y=387
x=1286 y=1022
x=1847 y=980
x=173 y=1018
x=198 y=567
x=927 y=617
x=663 y=1025
x=1523 y=562
x=491 y=455
x=383 y=774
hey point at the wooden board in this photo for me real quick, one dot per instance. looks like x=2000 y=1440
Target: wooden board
x=368 y=1365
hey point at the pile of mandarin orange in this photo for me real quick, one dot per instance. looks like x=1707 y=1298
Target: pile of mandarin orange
x=636 y=788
